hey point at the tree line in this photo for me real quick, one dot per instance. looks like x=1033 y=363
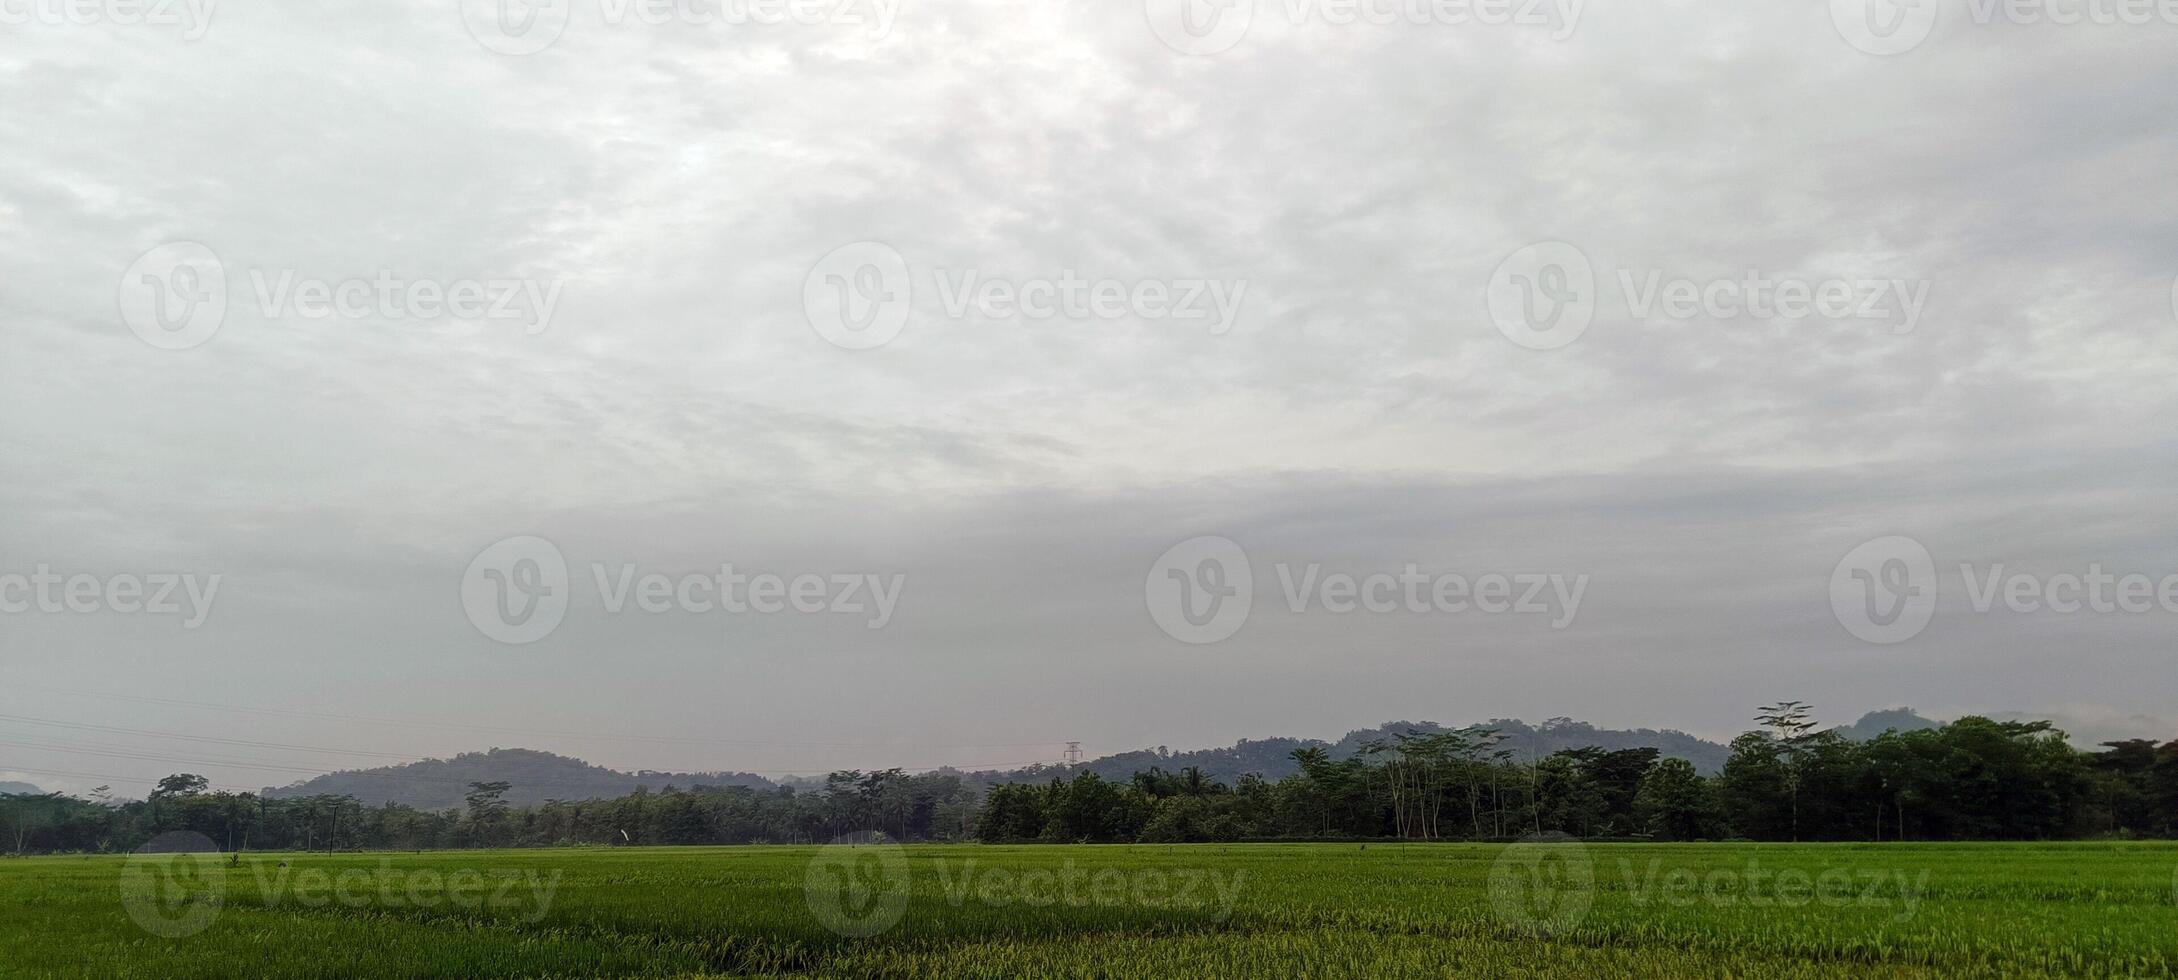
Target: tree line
x=902 y=805
x=1972 y=779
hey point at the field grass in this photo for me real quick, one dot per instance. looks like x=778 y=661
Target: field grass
x=1318 y=910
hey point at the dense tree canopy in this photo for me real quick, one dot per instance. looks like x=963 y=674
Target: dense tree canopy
x=1973 y=779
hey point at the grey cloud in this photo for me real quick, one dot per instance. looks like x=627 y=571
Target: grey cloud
x=1364 y=413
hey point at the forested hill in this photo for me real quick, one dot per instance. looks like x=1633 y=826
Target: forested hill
x=533 y=777
x=1272 y=758
x=1875 y=723
x=18 y=789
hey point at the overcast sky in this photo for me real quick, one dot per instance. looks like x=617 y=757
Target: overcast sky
x=686 y=200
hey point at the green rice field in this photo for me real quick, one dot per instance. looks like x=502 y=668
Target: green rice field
x=1243 y=910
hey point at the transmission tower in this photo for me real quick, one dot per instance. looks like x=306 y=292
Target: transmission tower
x=1073 y=753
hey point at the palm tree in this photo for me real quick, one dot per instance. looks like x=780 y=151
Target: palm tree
x=1794 y=728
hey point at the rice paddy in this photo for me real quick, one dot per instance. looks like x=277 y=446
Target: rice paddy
x=1244 y=910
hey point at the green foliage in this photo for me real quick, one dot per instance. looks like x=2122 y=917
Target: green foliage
x=1974 y=779
x=908 y=807
x=1674 y=803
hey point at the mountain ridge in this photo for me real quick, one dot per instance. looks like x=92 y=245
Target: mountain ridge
x=536 y=776
x=533 y=776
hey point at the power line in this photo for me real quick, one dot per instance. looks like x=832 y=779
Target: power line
x=216 y=760
x=140 y=757
x=81 y=726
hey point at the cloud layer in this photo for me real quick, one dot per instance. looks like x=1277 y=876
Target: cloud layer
x=678 y=182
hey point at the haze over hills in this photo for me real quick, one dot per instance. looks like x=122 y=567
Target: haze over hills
x=535 y=776
x=1273 y=758
x=19 y=789
x=1875 y=723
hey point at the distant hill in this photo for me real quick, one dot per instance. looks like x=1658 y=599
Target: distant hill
x=1875 y=723
x=1273 y=758
x=437 y=784
x=19 y=789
